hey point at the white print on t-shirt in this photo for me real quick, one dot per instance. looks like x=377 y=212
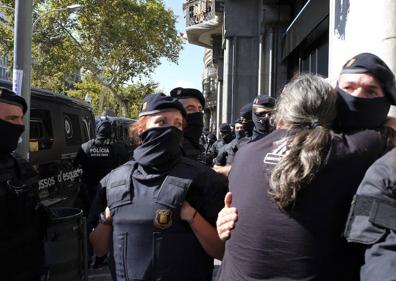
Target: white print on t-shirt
x=275 y=156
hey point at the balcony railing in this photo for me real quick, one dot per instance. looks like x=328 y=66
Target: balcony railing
x=198 y=11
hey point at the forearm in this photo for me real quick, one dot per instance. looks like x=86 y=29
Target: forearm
x=100 y=238
x=207 y=236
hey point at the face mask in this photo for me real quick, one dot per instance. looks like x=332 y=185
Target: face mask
x=194 y=127
x=355 y=113
x=261 y=126
x=160 y=148
x=240 y=134
x=248 y=126
x=9 y=140
x=226 y=137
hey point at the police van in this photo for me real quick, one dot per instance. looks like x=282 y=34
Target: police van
x=120 y=128
x=58 y=126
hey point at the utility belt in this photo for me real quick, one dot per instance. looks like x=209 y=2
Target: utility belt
x=369 y=219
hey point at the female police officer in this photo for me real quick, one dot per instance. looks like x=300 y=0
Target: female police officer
x=161 y=207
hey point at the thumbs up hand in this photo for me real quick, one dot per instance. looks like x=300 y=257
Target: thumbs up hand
x=227 y=218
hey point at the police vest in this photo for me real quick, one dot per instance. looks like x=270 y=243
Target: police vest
x=101 y=160
x=21 y=232
x=150 y=241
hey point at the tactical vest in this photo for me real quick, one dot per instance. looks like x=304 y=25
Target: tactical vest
x=102 y=159
x=21 y=232
x=150 y=241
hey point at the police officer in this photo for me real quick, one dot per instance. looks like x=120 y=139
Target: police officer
x=207 y=156
x=99 y=156
x=228 y=151
x=226 y=137
x=194 y=103
x=22 y=227
x=161 y=206
x=245 y=115
x=261 y=116
x=366 y=89
x=261 y=110
x=371 y=220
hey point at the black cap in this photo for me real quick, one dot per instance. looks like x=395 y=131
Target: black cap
x=237 y=121
x=246 y=111
x=156 y=103
x=266 y=102
x=184 y=93
x=369 y=63
x=225 y=128
x=211 y=136
x=8 y=96
x=103 y=129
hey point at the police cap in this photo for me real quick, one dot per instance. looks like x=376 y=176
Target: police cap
x=371 y=64
x=225 y=128
x=246 y=111
x=156 y=103
x=266 y=102
x=184 y=93
x=8 y=96
x=211 y=137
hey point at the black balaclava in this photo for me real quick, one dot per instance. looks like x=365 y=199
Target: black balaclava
x=104 y=130
x=9 y=140
x=248 y=127
x=194 y=128
x=262 y=126
x=356 y=113
x=246 y=113
x=227 y=137
x=160 y=149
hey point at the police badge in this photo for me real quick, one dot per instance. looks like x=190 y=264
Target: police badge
x=163 y=218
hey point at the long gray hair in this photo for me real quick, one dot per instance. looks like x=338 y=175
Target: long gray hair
x=307 y=108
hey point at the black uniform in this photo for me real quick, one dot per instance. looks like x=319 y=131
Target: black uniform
x=99 y=156
x=150 y=241
x=227 y=153
x=21 y=220
x=304 y=243
x=372 y=220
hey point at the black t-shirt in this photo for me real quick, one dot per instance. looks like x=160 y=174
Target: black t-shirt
x=305 y=243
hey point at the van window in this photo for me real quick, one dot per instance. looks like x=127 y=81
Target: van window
x=72 y=129
x=41 y=129
x=85 y=130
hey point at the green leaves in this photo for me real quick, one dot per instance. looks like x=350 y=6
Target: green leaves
x=111 y=43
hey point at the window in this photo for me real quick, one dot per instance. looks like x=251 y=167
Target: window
x=41 y=134
x=72 y=129
x=85 y=130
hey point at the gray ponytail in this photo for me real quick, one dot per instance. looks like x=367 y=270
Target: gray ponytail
x=307 y=107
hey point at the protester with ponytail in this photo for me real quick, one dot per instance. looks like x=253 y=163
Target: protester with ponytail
x=291 y=191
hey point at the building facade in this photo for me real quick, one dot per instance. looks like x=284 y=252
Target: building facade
x=256 y=46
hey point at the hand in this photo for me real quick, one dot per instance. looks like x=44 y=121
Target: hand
x=187 y=212
x=227 y=218
x=222 y=170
